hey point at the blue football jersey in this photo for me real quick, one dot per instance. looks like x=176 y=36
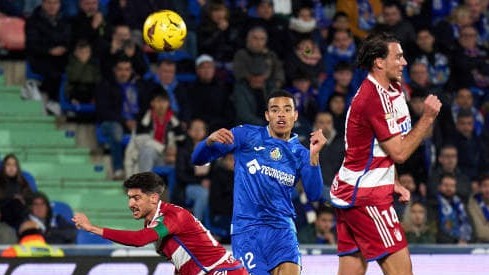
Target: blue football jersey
x=266 y=172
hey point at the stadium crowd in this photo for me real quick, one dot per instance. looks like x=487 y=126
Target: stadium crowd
x=236 y=53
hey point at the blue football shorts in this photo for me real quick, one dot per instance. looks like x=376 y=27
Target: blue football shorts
x=263 y=248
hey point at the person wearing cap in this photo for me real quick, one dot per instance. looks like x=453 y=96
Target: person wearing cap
x=209 y=99
x=249 y=94
x=256 y=48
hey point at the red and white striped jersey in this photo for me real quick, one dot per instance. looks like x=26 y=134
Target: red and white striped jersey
x=367 y=174
x=185 y=241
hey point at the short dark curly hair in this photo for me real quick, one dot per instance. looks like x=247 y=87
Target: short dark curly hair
x=375 y=46
x=148 y=182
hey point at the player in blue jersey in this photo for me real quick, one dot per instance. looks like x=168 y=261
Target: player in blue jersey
x=269 y=161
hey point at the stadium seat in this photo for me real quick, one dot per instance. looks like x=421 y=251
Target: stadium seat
x=30 y=180
x=175 y=56
x=86 y=238
x=67 y=106
x=102 y=139
x=29 y=74
x=62 y=209
x=186 y=77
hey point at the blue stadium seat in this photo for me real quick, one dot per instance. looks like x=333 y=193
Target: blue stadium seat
x=30 y=180
x=186 y=77
x=62 y=209
x=102 y=139
x=67 y=106
x=84 y=237
x=29 y=74
x=175 y=56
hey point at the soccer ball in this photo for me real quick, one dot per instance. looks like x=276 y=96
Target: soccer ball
x=164 y=30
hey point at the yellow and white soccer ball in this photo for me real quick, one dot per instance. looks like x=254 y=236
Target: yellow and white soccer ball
x=164 y=30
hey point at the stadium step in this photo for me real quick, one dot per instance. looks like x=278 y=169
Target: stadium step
x=10 y=125
x=75 y=185
x=46 y=170
x=24 y=108
x=36 y=138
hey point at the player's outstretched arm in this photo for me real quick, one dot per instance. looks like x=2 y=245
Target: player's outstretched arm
x=400 y=149
x=222 y=135
x=82 y=222
x=214 y=146
x=126 y=237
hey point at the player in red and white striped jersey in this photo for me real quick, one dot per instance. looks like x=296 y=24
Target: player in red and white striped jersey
x=377 y=134
x=177 y=234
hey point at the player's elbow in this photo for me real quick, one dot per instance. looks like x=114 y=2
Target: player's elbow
x=399 y=158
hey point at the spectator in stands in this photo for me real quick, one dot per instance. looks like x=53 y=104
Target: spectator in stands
x=427 y=52
x=89 y=25
x=118 y=103
x=209 y=99
x=470 y=62
x=216 y=36
x=256 y=48
x=306 y=59
x=135 y=12
x=337 y=107
x=7 y=233
x=249 y=94
x=195 y=180
x=464 y=99
x=31 y=243
x=362 y=15
x=303 y=24
x=331 y=156
x=448 y=164
x=447 y=31
x=343 y=81
x=395 y=23
x=275 y=25
x=156 y=135
x=177 y=93
x=221 y=196
x=478 y=209
x=416 y=225
x=453 y=225
x=122 y=44
x=418 y=13
x=47 y=41
x=54 y=227
x=14 y=191
x=306 y=99
x=342 y=49
x=82 y=73
x=322 y=231
x=471 y=150
x=479 y=19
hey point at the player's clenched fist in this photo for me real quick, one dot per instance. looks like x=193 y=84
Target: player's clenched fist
x=432 y=106
x=317 y=141
x=222 y=136
x=81 y=221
